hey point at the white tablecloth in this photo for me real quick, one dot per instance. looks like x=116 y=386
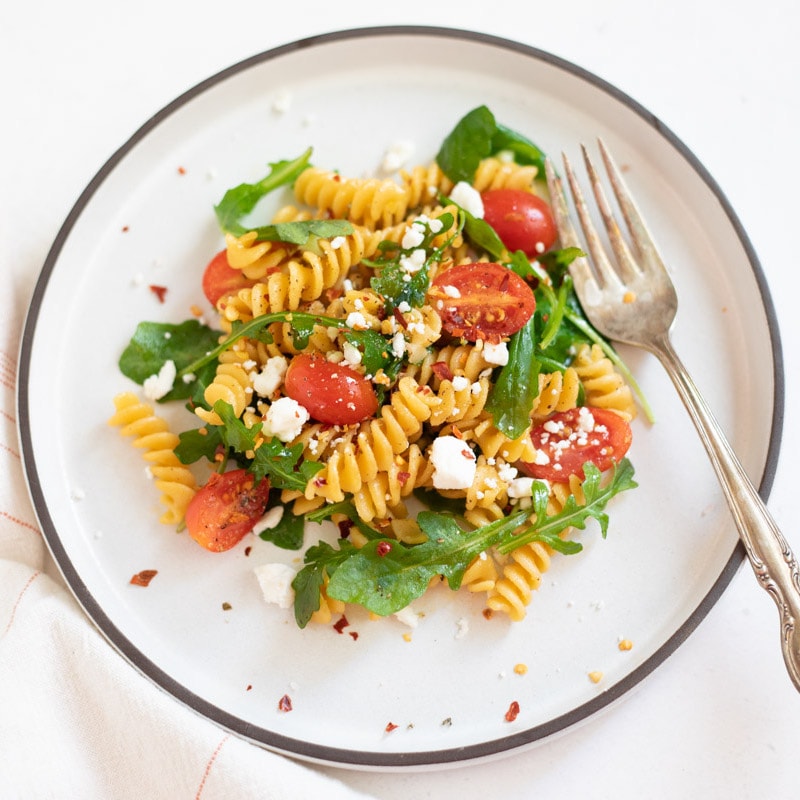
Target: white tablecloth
x=718 y=719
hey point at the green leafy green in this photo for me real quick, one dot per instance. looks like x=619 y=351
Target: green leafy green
x=385 y=575
x=476 y=136
x=516 y=387
x=199 y=443
x=394 y=281
x=240 y=201
x=290 y=530
x=155 y=343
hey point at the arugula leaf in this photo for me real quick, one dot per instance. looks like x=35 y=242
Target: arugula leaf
x=155 y=343
x=289 y=532
x=347 y=509
x=393 y=281
x=517 y=386
x=302 y=232
x=385 y=575
x=194 y=445
x=239 y=201
x=477 y=135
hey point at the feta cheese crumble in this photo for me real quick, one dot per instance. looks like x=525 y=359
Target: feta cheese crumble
x=271 y=376
x=468 y=198
x=496 y=353
x=275 y=581
x=156 y=386
x=454 y=463
x=285 y=419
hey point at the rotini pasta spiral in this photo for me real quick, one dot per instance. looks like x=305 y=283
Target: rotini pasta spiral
x=371 y=201
x=603 y=385
x=151 y=433
x=522 y=575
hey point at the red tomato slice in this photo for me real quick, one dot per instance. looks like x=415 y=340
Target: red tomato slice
x=333 y=393
x=522 y=220
x=220 y=278
x=571 y=438
x=226 y=509
x=481 y=301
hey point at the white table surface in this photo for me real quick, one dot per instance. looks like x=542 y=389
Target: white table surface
x=719 y=718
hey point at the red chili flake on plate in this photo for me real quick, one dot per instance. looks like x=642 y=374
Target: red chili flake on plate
x=181 y=170
x=159 y=291
x=144 y=577
x=285 y=703
x=248 y=550
x=249 y=687
x=513 y=711
x=390 y=726
x=341 y=624
x=125 y=228
x=383 y=548
x=353 y=635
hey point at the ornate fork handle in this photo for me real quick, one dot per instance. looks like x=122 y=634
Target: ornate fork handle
x=768 y=551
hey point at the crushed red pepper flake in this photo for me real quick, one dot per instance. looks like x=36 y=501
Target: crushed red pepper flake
x=341 y=624
x=249 y=687
x=144 y=577
x=285 y=703
x=248 y=550
x=353 y=635
x=441 y=369
x=513 y=711
x=390 y=726
x=383 y=548
x=181 y=170
x=159 y=291
x=125 y=228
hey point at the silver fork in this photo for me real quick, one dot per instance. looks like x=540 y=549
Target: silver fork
x=633 y=300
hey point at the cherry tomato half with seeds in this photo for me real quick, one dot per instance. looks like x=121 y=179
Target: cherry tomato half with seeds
x=219 y=278
x=521 y=219
x=226 y=509
x=481 y=301
x=334 y=394
x=570 y=438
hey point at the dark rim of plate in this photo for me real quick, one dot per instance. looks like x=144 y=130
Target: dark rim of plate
x=344 y=757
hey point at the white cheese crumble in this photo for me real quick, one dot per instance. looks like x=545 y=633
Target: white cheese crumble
x=337 y=242
x=352 y=355
x=451 y=291
x=414 y=236
x=468 y=198
x=285 y=419
x=156 y=386
x=408 y=616
x=496 y=353
x=460 y=383
x=275 y=581
x=414 y=262
x=356 y=320
x=269 y=520
x=397 y=155
x=271 y=376
x=398 y=345
x=453 y=463
x=282 y=102
x=520 y=487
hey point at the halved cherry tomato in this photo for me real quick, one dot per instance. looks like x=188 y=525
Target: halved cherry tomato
x=333 y=393
x=481 y=301
x=220 y=278
x=226 y=509
x=571 y=438
x=521 y=219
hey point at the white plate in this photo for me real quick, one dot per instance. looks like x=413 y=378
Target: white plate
x=671 y=547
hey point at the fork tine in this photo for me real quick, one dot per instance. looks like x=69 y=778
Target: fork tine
x=580 y=269
x=605 y=271
x=646 y=249
x=626 y=264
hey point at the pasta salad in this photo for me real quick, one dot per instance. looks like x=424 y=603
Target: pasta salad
x=404 y=357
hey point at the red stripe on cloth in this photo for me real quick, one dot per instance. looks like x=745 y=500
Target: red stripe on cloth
x=9 y=450
x=208 y=767
x=18 y=521
x=19 y=600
